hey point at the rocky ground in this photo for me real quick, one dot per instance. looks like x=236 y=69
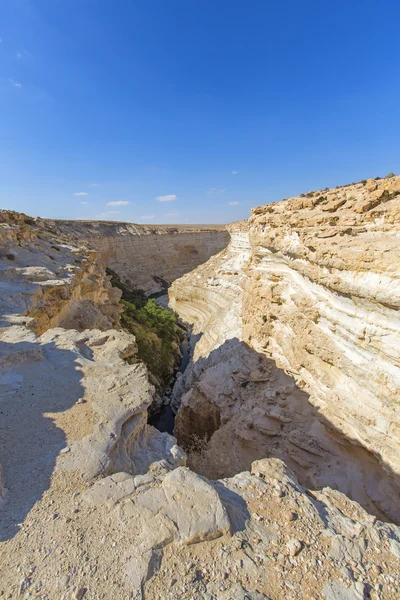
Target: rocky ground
x=97 y=504
x=256 y=535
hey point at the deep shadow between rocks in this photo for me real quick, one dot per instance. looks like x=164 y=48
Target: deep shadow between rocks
x=235 y=506
x=224 y=430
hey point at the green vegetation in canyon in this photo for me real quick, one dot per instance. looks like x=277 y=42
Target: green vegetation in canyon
x=155 y=329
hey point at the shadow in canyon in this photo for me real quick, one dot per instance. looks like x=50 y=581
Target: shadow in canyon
x=35 y=380
x=243 y=408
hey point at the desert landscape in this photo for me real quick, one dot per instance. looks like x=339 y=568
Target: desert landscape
x=272 y=344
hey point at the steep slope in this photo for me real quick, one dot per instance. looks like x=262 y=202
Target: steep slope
x=97 y=504
x=72 y=385
x=303 y=364
x=149 y=256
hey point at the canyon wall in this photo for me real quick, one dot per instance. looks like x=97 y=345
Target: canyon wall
x=67 y=371
x=150 y=257
x=299 y=343
x=95 y=503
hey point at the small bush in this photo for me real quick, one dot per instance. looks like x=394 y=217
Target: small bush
x=390 y=175
x=155 y=329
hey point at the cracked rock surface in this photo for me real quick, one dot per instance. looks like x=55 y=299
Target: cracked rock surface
x=297 y=351
x=97 y=504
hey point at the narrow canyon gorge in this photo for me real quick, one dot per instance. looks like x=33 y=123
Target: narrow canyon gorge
x=281 y=477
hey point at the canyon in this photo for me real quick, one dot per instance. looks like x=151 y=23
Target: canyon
x=150 y=257
x=299 y=350
x=282 y=479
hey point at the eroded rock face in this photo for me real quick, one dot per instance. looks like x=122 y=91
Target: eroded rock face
x=315 y=309
x=52 y=278
x=100 y=505
x=71 y=403
x=150 y=257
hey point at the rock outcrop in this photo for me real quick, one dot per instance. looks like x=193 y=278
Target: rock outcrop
x=72 y=385
x=177 y=536
x=53 y=279
x=150 y=257
x=299 y=346
x=97 y=504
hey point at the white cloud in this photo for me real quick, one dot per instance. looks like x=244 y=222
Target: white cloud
x=118 y=203
x=93 y=184
x=166 y=198
x=171 y=214
x=15 y=83
x=81 y=194
x=234 y=172
x=233 y=203
x=147 y=217
x=84 y=202
x=216 y=191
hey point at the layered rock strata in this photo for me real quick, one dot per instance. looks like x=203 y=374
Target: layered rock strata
x=150 y=257
x=99 y=505
x=303 y=363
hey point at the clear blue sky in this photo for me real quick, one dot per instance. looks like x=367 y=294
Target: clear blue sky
x=212 y=106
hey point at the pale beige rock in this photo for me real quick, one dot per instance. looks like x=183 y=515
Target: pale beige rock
x=150 y=257
x=177 y=535
x=309 y=287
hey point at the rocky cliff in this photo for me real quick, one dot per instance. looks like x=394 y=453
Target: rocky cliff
x=150 y=256
x=67 y=388
x=299 y=346
x=97 y=504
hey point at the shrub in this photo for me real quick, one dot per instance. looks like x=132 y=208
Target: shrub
x=155 y=329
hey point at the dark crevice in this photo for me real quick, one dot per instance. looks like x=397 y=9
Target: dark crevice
x=164 y=418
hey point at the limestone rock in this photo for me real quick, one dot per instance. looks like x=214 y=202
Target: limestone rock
x=110 y=489
x=338 y=591
x=296 y=357
x=308 y=289
x=189 y=501
x=162 y=252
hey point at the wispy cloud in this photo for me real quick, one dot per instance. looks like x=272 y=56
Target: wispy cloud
x=233 y=203
x=172 y=214
x=24 y=54
x=167 y=198
x=147 y=218
x=234 y=172
x=15 y=83
x=216 y=191
x=84 y=202
x=81 y=194
x=93 y=184
x=118 y=203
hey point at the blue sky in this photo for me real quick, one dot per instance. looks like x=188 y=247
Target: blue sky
x=192 y=111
